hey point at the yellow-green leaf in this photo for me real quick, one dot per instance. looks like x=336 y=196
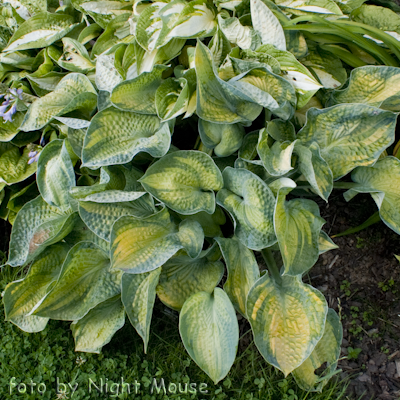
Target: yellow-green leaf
x=98 y=326
x=182 y=276
x=326 y=351
x=115 y=137
x=378 y=86
x=297 y=226
x=184 y=181
x=287 y=320
x=243 y=271
x=143 y=245
x=85 y=281
x=349 y=135
x=251 y=204
x=382 y=180
x=210 y=332
x=20 y=297
x=138 y=296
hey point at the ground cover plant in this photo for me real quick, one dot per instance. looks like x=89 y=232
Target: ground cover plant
x=160 y=149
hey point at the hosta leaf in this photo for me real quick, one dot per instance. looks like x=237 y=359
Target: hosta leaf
x=379 y=17
x=8 y=129
x=75 y=57
x=143 y=245
x=210 y=332
x=98 y=326
x=251 y=204
x=315 y=169
x=225 y=139
x=172 y=98
x=243 y=36
x=149 y=25
x=139 y=94
x=14 y=167
x=281 y=130
x=267 y=25
x=297 y=226
x=76 y=138
x=268 y=90
x=37 y=226
x=197 y=19
x=107 y=76
x=295 y=73
x=277 y=159
x=181 y=277
x=220 y=47
x=74 y=91
x=84 y=282
x=21 y=296
x=55 y=175
x=382 y=181
x=287 y=320
x=138 y=296
x=377 y=86
x=115 y=137
x=184 y=181
x=326 y=351
x=100 y=217
x=217 y=100
x=311 y=6
x=325 y=243
x=352 y=135
x=243 y=271
x=41 y=30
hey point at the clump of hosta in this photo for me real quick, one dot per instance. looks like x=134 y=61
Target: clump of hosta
x=152 y=149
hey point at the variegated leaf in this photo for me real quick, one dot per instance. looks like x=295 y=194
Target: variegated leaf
x=55 y=175
x=217 y=100
x=224 y=139
x=287 y=320
x=172 y=98
x=100 y=217
x=74 y=91
x=277 y=159
x=139 y=94
x=14 y=167
x=382 y=181
x=378 y=86
x=326 y=351
x=41 y=30
x=182 y=276
x=184 y=181
x=196 y=19
x=20 y=297
x=99 y=325
x=243 y=271
x=251 y=204
x=210 y=332
x=143 y=245
x=353 y=135
x=37 y=226
x=115 y=137
x=325 y=243
x=138 y=296
x=85 y=281
x=8 y=129
x=311 y=6
x=297 y=226
x=107 y=76
x=267 y=25
x=315 y=169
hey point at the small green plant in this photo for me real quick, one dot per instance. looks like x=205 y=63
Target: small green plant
x=388 y=285
x=345 y=287
x=353 y=353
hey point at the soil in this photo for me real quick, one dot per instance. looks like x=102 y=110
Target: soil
x=361 y=281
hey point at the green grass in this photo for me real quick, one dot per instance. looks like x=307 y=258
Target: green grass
x=48 y=357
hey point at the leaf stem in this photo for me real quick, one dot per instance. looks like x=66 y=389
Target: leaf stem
x=271 y=264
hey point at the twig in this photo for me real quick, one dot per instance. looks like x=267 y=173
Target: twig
x=333 y=261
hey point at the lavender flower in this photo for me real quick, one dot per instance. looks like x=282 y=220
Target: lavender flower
x=9 y=105
x=33 y=157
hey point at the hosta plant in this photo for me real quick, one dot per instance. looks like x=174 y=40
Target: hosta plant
x=179 y=150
